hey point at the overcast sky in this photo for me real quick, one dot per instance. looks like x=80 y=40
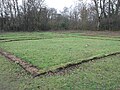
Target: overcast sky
x=59 y=4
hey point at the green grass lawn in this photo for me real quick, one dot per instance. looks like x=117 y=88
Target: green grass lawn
x=54 y=50
x=100 y=75
x=27 y=36
x=47 y=35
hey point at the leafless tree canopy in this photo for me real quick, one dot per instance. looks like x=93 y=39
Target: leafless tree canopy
x=33 y=15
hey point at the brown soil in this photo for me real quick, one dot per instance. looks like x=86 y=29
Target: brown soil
x=65 y=69
x=102 y=33
x=92 y=33
x=28 y=67
x=5 y=40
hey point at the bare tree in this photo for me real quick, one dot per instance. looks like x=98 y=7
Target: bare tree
x=33 y=15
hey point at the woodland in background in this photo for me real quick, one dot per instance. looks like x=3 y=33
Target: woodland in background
x=34 y=15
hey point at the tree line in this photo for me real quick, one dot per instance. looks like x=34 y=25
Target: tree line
x=34 y=15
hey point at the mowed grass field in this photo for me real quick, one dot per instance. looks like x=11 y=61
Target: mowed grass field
x=48 y=50
x=99 y=75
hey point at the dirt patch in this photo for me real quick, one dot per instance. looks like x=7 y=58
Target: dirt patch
x=102 y=33
x=65 y=69
x=92 y=33
x=7 y=40
x=34 y=71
